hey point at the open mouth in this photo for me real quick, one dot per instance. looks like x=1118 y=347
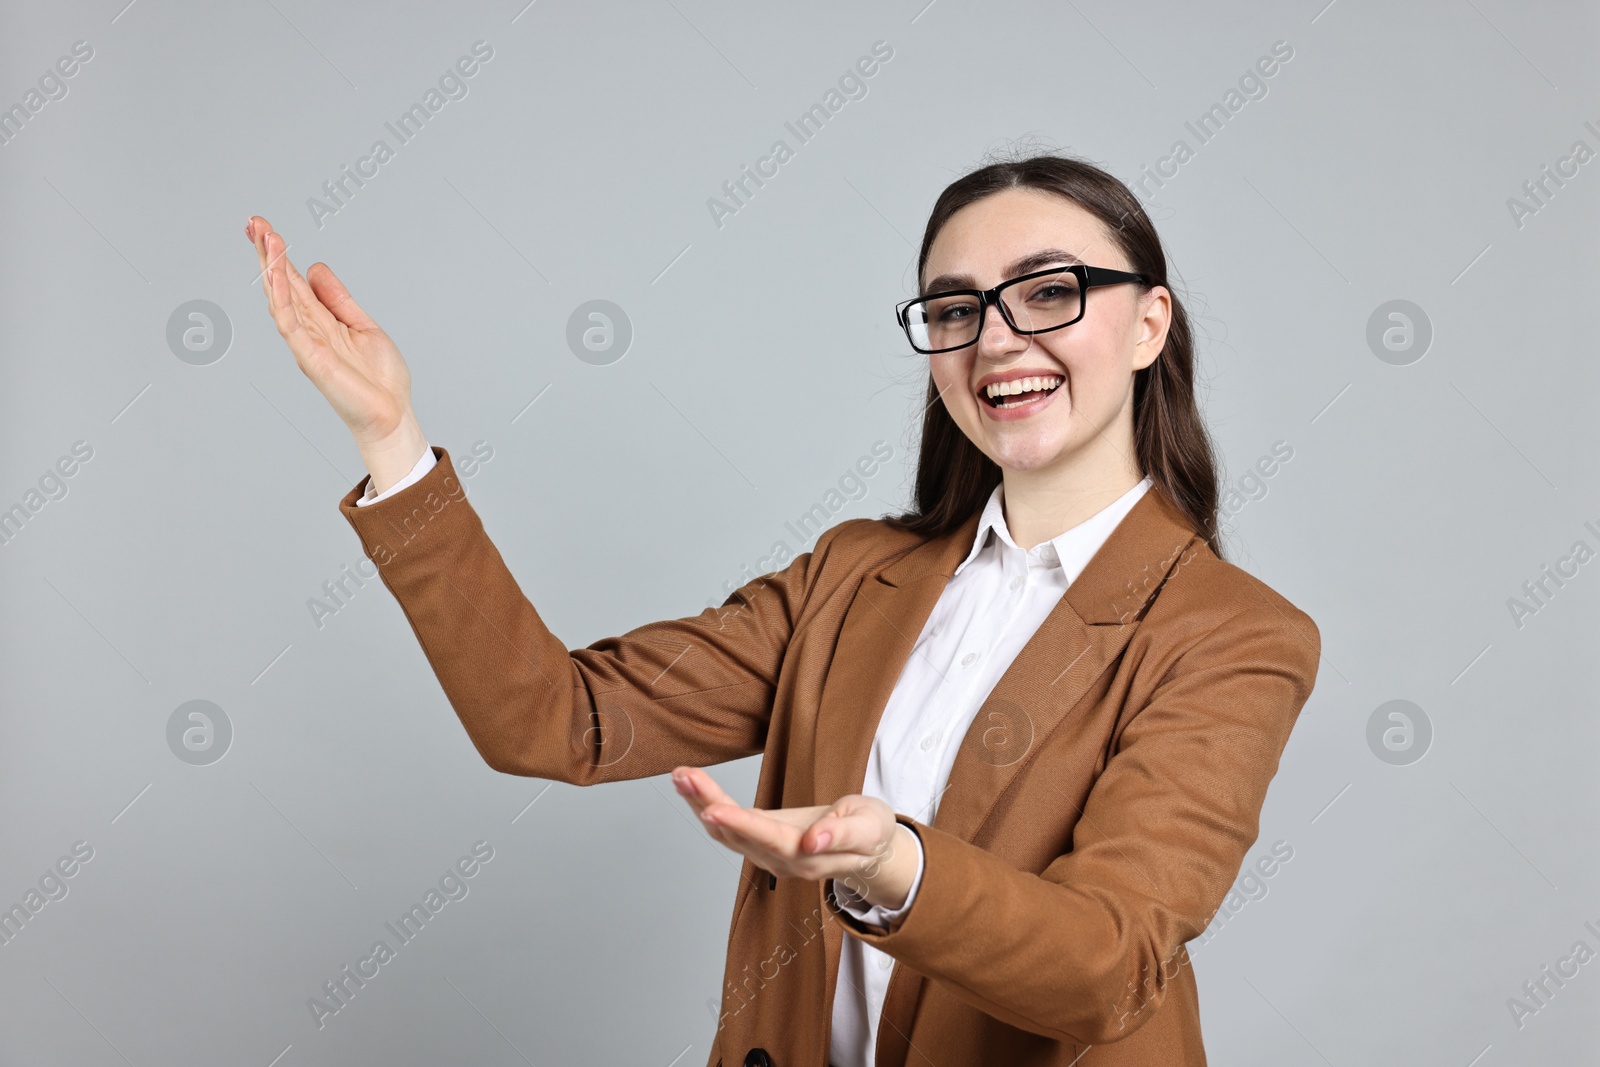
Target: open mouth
x=1016 y=400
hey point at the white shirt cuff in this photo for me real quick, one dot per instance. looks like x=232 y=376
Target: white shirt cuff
x=424 y=465
x=854 y=904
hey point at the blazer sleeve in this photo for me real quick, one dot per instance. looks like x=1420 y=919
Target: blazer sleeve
x=1084 y=950
x=695 y=691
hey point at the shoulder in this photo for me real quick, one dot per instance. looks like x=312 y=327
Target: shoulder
x=850 y=553
x=861 y=546
x=822 y=580
x=1208 y=599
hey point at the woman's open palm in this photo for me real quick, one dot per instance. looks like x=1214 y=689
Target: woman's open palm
x=852 y=840
x=347 y=356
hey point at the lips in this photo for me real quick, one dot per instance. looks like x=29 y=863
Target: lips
x=1026 y=409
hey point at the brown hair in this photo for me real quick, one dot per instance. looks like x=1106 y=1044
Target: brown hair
x=954 y=479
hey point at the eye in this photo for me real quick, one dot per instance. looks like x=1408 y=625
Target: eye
x=949 y=309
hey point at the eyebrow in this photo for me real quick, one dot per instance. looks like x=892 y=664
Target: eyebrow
x=1045 y=257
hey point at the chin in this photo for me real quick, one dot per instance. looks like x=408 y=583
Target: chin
x=1027 y=456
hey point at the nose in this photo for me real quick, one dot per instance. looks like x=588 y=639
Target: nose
x=997 y=339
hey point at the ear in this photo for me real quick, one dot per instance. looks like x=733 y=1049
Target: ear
x=1153 y=317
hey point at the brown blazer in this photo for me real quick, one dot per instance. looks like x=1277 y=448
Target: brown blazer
x=1098 y=810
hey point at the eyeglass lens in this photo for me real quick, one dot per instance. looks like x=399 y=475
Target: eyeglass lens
x=1040 y=303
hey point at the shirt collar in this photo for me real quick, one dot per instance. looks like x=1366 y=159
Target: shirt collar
x=1071 y=549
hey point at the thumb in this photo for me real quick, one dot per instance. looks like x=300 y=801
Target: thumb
x=336 y=298
x=848 y=826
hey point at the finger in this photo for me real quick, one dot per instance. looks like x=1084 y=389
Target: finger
x=762 y=856
x=686 y=789
x=684 y=782
x=280 y=286
x=854 y=824
x=840 y=833
x=277 y=254
x=294 y=322
x=310 y=309
x=282 y=308
x=774 y=845
x=704 y=787
x=754 y=828
x=700 y=803
x=759 y=857
x=693 y=785
x=262 y=228
x=336 y=298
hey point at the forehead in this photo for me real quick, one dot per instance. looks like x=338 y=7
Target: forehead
x=981 y=239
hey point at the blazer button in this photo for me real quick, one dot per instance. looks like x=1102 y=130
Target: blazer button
x=757 y=1057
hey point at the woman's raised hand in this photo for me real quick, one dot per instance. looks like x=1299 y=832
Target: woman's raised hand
x=347 y=356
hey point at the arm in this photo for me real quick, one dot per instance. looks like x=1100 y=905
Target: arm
x=1084 y=950
x=694 y=691
x=690 y=691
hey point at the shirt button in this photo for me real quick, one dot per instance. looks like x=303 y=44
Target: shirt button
x=966 y=661
x=1016 y=583
x=885 y=962
x=928 y=742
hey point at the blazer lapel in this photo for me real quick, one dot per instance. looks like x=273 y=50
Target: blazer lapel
x=1083 y=634
x=875 y=641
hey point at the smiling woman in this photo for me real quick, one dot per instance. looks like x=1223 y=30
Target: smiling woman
x=1016 y=740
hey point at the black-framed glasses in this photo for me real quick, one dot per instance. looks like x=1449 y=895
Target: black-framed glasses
x=1039 y=302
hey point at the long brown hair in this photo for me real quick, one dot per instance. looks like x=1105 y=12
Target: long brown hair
x=954 y=479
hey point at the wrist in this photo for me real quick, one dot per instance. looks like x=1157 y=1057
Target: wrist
x=391 y=458
x=885 y=879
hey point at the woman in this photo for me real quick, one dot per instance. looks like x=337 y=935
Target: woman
x=1016 y=740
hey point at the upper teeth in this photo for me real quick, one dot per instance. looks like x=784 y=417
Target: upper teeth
x=1022 y=385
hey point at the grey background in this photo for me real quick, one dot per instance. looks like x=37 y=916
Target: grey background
x=764 y=363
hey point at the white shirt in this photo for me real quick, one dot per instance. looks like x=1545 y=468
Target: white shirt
x=995 y=601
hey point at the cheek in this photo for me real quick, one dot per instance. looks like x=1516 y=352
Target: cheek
x=1094 y=364
x=949 y=378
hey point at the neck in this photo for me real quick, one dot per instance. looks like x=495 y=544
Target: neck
x=1042 y=504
